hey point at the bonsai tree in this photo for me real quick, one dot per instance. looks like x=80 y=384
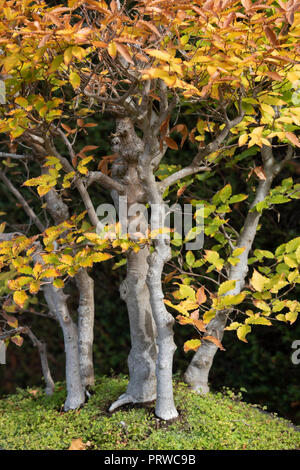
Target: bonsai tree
x=141 y=63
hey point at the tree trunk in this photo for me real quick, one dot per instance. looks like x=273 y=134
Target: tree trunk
x=86 y=313
x=56 y=300
x=197 y=373
x=42 y=348
x=165 y=406
x=134 y=290
x=143 y=353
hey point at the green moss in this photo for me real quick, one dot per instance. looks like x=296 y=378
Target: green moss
x=31 y=420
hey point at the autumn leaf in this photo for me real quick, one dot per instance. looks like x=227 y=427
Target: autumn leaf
x=171 y=143
x=292 y=138
x=77 y=444
x=214 y=340
x=17 y=340
x=258 y=281
x=191 y=345
x=259 y=171
x=20 y=298
x=201 y=296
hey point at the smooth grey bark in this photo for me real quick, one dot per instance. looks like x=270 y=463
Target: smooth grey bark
x=142 y=357
x=86 y=313
x=165 y=406
x=86 y=309
x=134 y=290
x=57 y=302
x=198 y=370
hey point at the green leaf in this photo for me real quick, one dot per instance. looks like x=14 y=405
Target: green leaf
x=237 y=198
x=190 y=258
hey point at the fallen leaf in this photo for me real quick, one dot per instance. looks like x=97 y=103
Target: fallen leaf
x=77 y=444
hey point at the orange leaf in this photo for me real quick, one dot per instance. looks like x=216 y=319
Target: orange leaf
x=200 y=325
x=171 y=143
x=77 y=444
x=201 y=296
x=215 y=341
x=181 y=190
x=292 y=138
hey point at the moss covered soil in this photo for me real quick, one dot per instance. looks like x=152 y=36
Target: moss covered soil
x=31 y=420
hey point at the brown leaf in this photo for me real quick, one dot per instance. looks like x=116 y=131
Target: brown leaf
x=169 y=276
x=171 y=143
x=201 y=296
x=77 y=444
x=11 y=321
x=181 y=129
x=124 y=52
x=292 y=138
x=259 y=171
x=274 y=76
x=271 y=36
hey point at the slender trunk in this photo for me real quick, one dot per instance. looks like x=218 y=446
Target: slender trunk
x=197 y=372
x=165 y=406
x=42 y=348
x=60 y=212
x=86 y=313
x=56 y=300
x=142 y=356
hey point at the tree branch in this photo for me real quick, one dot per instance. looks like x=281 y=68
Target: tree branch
x=22 y=201
x=104 y=180
x=178 y=175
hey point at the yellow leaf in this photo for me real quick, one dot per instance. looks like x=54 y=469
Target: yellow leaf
x=191 y=345
x=243 y=139
x=112 y=50
x=161 y=55
x=258 y=281
x=242 y=331
x=74 y=80
x=20 y=297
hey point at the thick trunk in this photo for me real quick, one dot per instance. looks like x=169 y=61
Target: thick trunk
x=197 y=373
x=86 y=313
x=56 y=300
x=143 y=353
x=134 y=290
